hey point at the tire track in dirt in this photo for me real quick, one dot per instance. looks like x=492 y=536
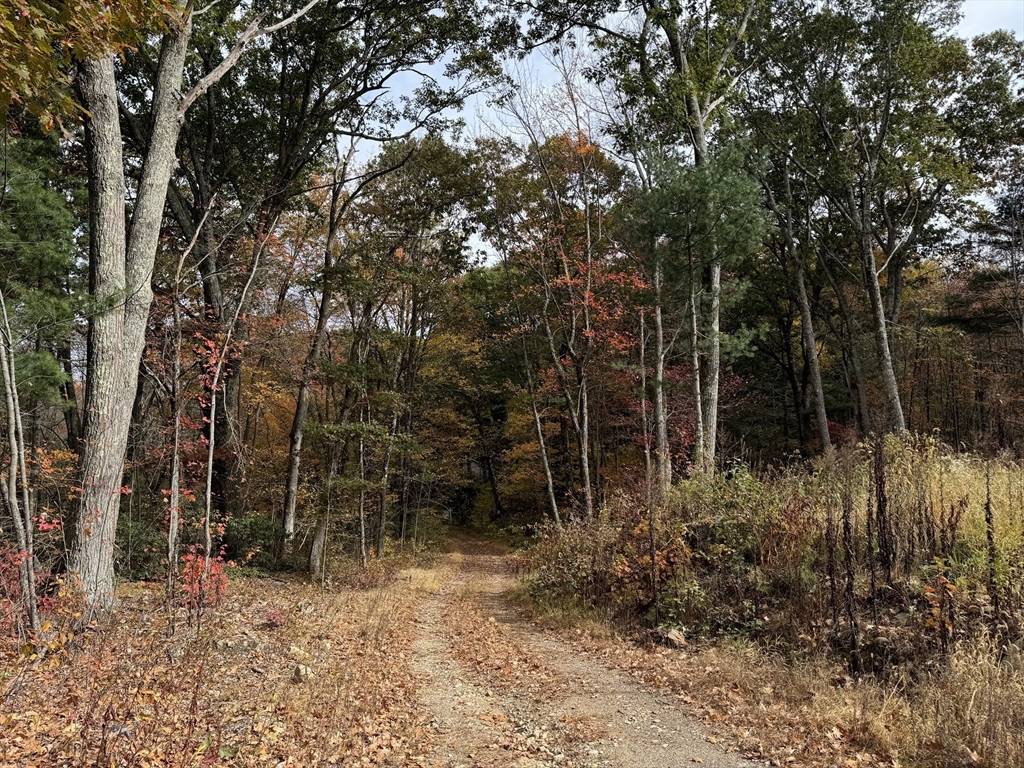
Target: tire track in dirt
x=504 y=694
x=473 y=725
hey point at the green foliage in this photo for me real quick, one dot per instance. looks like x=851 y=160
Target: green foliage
x=141 y=552
x=693 y=216
x=251 y=540
x=706 y=212
x=37 y=263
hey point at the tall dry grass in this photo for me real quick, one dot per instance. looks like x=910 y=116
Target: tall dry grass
x=894 y=567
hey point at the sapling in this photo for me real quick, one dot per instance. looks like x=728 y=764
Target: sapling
x=21 y=511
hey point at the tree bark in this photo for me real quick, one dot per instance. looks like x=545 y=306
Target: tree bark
x=21 y=511
x=309 y=366
x=664 y=451
x=583 y=441
x=644 y=418
x=811 y=350
x=894 y=421
x=121 y=267
x=698 y=400
x=714 y=362
x=72 y=412
x=548 y=477
x=385 y=480
x=319 y=549
x=121 y=262
x=111 y=372
x=120 y=271
x=849 y=341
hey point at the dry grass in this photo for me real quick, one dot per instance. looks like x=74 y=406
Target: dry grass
x=968 y=710
x=280 y=674
x=945 y=682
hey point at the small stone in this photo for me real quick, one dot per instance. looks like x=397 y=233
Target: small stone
x=675 y=638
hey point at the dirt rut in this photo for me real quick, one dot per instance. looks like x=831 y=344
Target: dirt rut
x=501 y=693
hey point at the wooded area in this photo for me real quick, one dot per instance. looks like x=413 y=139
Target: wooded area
x=727 y=316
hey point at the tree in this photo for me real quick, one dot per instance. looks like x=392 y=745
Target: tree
x=121 y=259
x=877 y=102
x=40 y=41
x=264 y=131
x=676 y=66
x=695 y=216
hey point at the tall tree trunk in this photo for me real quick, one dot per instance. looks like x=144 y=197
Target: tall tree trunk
x=583 y=441
x=385 y=479
x=120 y=271
x=548 y=477
x=211 y=448
x=645 y=419
x=362 y=493
x=174 y=513
x=662 y=448
x=318 y=551
x=21 y=510
x=894 y=421
x=787 y=225
x=849 y=341
x=308 y=367
x=72 y=412
x=894 y=289
x=698 y=400
x=811 y=350
x=714 y=362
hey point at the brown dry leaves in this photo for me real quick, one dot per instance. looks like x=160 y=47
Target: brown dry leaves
x=749 y=703
x=227 y=694
x=494 y=662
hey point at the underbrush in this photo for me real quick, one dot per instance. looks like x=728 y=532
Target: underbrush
x=891 y=571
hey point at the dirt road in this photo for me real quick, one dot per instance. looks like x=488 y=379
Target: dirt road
x=503 y=693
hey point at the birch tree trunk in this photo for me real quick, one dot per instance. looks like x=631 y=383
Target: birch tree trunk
x=549 y=480
x=644 y=418
x=174 y=512
x=714 y=364
x=664 y=454
x=894 y=421
x=21 y=511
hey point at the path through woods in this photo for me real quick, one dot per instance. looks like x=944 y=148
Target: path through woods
x=435 y=668
x=501 y=692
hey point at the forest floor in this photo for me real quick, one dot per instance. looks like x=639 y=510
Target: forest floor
x=437 y=665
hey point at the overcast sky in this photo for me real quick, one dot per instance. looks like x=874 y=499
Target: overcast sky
x=988 y=15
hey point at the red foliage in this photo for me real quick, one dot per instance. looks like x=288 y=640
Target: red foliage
x=203 y=585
